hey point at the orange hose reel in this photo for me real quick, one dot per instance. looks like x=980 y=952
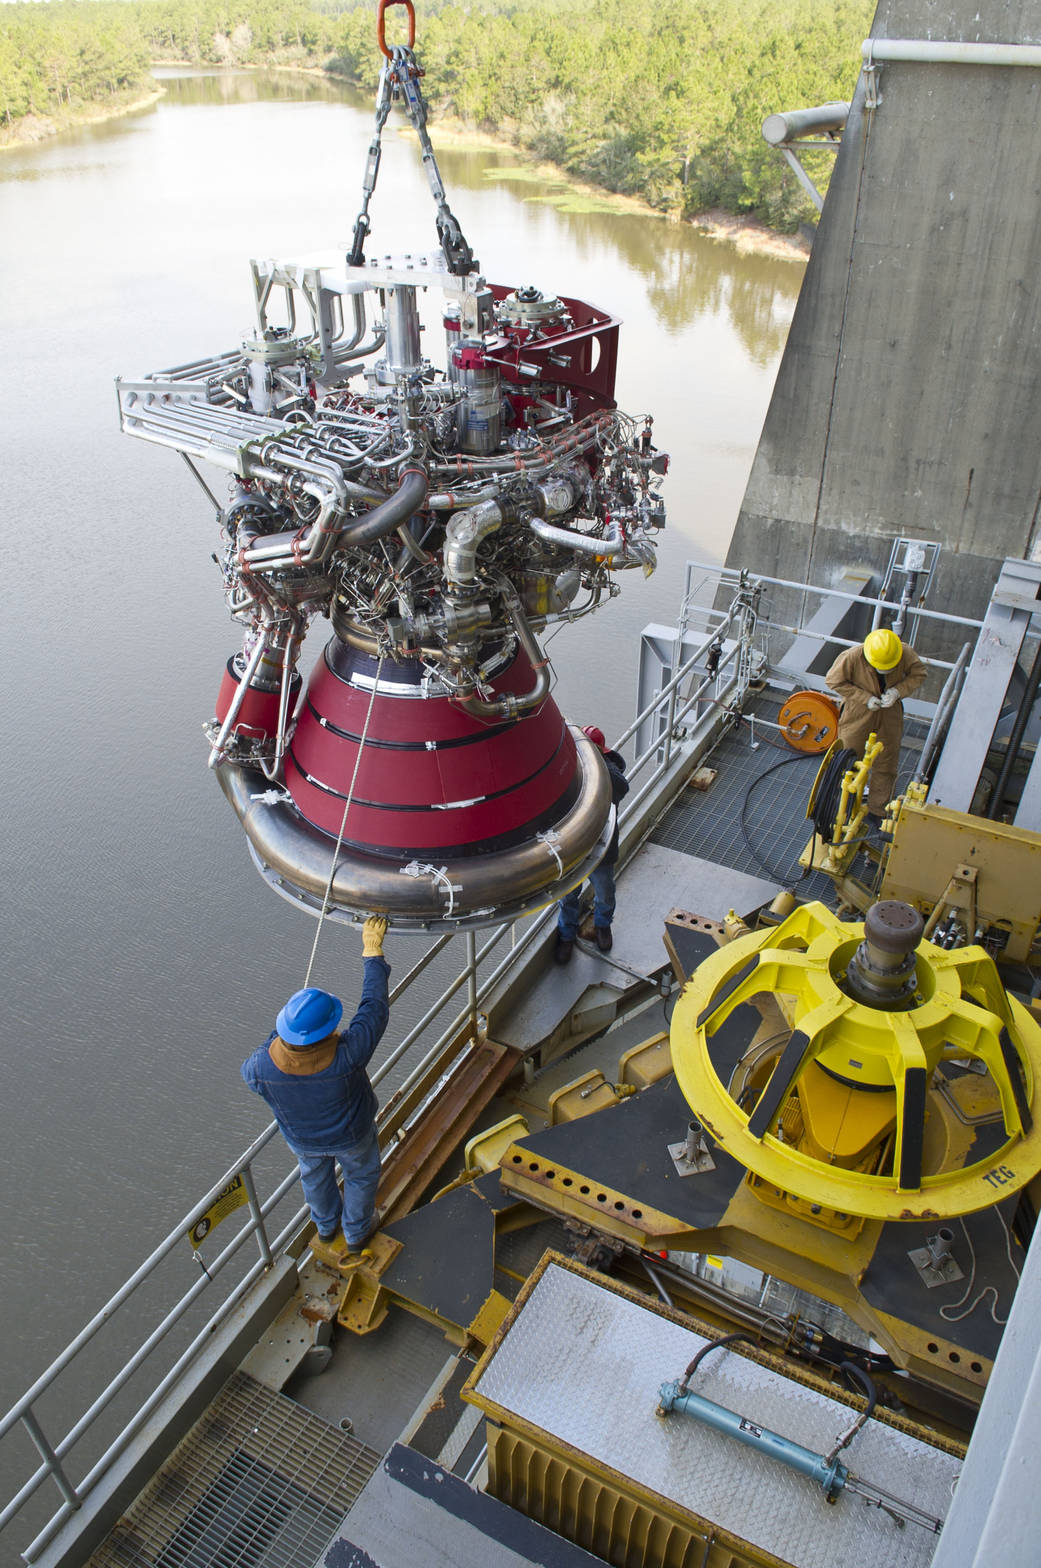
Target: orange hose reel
x=809 y=721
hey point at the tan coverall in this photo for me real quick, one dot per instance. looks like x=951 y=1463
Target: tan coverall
x=856 y=680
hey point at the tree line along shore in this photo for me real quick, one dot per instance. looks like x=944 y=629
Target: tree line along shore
x=660 y=102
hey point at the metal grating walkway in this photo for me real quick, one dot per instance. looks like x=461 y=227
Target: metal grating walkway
x=710 y=824
x=259 y=1482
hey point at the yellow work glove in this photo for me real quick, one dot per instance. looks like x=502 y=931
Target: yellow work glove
x=372 y=934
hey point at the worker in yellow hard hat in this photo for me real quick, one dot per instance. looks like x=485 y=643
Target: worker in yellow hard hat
x=872 y=680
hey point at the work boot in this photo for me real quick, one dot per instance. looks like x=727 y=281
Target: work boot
x=563 y=950
x=327 y=1249
x=604 y=939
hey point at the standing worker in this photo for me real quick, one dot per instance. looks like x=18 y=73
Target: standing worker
x=872 y=680
x=569 y=911
x=315 y=1082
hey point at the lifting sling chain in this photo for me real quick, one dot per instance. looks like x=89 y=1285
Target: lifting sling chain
x=399 y=79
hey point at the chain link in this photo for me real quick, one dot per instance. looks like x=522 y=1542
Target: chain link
x=399 y=79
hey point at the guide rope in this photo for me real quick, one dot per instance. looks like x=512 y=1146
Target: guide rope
x=343 y=825
x=399 y=79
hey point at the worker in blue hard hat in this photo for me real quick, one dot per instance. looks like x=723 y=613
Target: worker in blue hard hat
x=872 y=678
x=312 y=1075
x=569 y=910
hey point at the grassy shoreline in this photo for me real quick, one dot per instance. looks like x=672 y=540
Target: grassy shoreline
x=746 y=235
x=32 y=129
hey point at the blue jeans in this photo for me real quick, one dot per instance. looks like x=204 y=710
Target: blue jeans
x=569 y=910
x=360 y=1163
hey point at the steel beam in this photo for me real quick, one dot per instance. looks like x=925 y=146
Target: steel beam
x=1013 y=602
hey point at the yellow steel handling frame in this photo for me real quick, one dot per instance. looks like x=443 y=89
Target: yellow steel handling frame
x=835 y=854
x=960 y=1012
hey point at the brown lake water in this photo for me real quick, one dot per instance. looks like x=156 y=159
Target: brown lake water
x=143 y=958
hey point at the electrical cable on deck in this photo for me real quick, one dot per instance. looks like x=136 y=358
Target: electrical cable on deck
x=778 y=876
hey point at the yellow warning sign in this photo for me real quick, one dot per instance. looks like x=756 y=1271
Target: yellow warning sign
x=225 y=1203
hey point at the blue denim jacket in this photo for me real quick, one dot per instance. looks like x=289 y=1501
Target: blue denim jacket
x=328 y=1110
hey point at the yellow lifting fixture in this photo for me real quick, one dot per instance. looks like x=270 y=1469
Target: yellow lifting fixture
x=837 y=1111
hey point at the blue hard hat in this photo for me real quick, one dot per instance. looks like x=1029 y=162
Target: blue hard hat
x=308 y=1017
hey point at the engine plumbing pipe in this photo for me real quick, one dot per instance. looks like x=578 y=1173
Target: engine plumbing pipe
x=289 y=656
x=509 y=706
x=311 y=546
x=390 y=514
x=449 y=500
x=611 y=545
x=463 y=533
x=238 y=699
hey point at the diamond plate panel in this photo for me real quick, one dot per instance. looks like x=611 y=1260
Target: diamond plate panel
x=585 y=1364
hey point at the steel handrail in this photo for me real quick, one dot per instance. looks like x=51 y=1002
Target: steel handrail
x=668 y=689
x=44 y=1381
x=53 y=1456
x=155 y=1399
x=405 y=1045
x=733 y=577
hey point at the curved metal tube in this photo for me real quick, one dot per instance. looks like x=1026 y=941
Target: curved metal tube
x=345 y=356
x=395 y=457
x=330 y=490
x=486 y=888
x=463 y=533
x=448 y=500
x=239 y=697
x=578 y=439
x=304 y=547
x=466 y=529
x=338 y=350
x=611 y=545
x=412 y=548
x=509 y=706
x=356 y=636
x=390 y=514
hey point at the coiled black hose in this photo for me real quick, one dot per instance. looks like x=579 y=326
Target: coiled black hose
x=825 y=808
x=829 y=792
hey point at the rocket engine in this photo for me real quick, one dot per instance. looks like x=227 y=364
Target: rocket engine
x=441 y=517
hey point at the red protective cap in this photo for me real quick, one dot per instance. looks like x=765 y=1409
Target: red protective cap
x=596 y=736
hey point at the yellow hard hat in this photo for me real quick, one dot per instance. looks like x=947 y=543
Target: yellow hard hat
x=882 y=649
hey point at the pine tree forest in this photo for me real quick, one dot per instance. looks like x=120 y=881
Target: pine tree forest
x=663 y=102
